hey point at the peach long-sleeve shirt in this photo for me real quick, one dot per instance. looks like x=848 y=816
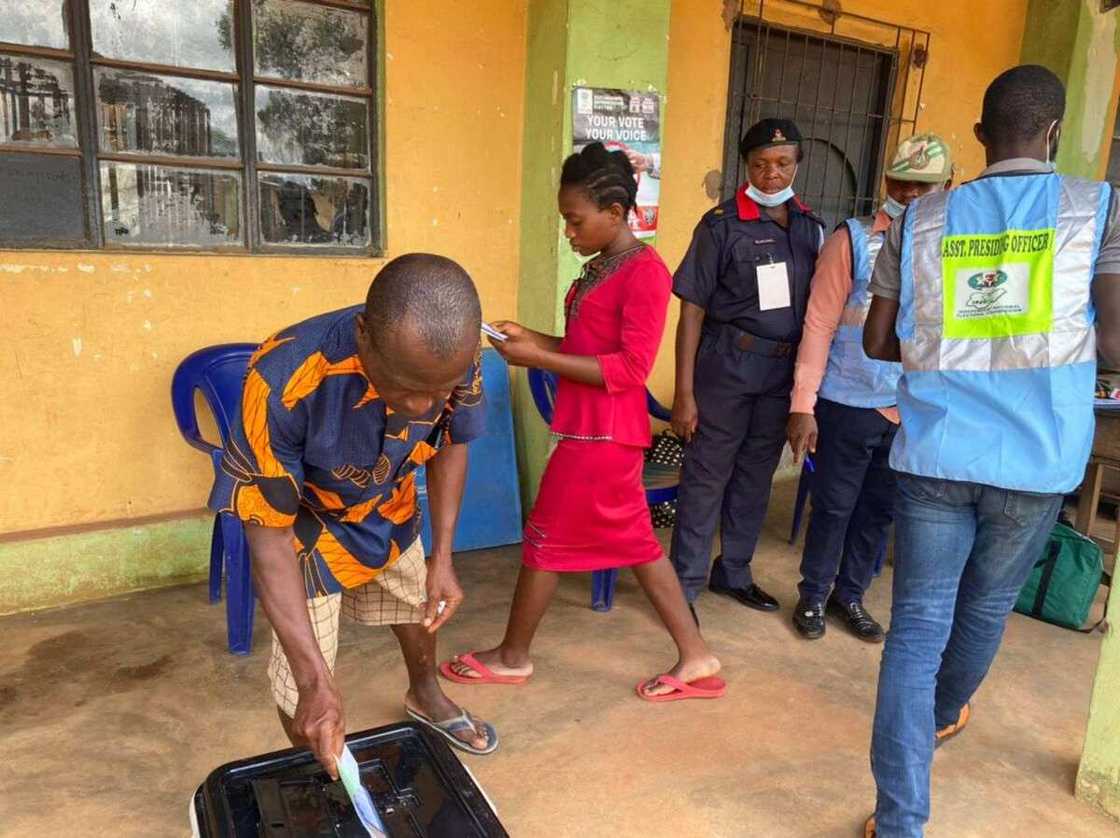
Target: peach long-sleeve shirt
x=829 y=291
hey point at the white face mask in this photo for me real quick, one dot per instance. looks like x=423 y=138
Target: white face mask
x=893 y=208
x=770 y=199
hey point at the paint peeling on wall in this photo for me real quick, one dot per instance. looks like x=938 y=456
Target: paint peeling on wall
x=45 y=269
x=1100 y=73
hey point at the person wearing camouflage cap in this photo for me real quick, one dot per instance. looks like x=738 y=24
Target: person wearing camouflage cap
x=849 y=429
x=924 y=158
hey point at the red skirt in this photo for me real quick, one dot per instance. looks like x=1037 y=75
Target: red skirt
x=591 y=511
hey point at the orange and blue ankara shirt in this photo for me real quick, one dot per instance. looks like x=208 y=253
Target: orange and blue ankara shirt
x=313 y=447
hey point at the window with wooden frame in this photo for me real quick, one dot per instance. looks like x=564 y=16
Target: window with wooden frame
x=208 y=124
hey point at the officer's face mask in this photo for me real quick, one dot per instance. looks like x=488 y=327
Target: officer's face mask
x=771 y=199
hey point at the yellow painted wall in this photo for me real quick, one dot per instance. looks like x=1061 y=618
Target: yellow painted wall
x=971 y=43
x=91 y=339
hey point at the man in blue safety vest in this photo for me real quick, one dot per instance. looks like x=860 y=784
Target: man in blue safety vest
x=853 y=485
x=988 y=295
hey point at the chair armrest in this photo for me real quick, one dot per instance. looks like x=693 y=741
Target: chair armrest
x=542 y=385
x=656 y=409
x=182 y=405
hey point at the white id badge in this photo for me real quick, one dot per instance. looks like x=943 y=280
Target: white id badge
x=773 y=286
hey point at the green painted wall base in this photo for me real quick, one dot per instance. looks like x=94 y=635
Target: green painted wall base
x=597 y=43
x=1080 y=43
x=1098 y=779
x=64 y=569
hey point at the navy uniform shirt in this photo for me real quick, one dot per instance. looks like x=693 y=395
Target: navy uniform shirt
x=718 y=271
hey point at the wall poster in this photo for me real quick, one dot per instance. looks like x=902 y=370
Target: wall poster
x=630 y=121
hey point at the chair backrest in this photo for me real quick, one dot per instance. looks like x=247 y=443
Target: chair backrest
x=542 y=384
x=219 y=372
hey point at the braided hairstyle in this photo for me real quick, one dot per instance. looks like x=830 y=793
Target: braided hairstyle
x=606 y=176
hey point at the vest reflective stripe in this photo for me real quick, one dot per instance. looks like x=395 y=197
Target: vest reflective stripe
x=1012 y=408
x=851 y=377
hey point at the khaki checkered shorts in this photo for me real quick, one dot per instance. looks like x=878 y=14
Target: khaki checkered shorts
x=393 y=598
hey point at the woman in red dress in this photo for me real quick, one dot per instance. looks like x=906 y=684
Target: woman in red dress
x=591 y=511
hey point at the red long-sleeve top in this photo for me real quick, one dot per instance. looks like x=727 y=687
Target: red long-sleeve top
x=620 y=322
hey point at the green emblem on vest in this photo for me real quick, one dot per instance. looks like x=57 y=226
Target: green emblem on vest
x=986 y=280
x=997 y=285
x=986 y=291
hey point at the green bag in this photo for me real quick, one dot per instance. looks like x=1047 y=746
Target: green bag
x=1064 y=582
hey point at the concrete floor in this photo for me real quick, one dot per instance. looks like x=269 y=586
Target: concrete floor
x=112 y=713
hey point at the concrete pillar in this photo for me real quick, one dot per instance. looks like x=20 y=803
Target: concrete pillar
x=1080 y=43
x=1098 y=778
x=599 y=43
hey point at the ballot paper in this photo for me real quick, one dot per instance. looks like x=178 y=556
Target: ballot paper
x=490 y=331
x=351 y=777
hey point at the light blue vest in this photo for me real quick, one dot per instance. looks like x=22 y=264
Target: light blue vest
x=996 y=327
x=851 y=377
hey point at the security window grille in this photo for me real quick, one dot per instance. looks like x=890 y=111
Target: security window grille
x=209 y=124
x=852 y=85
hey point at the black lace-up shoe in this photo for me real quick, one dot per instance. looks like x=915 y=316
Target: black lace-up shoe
x=808 y=619
x=751 y=596
x=858 y=621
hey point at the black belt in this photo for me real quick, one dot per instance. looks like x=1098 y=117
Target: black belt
x=747 y=342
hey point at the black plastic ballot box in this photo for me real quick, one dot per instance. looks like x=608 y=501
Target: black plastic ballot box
x=419 y=786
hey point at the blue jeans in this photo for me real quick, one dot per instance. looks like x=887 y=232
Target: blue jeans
x=962 y=553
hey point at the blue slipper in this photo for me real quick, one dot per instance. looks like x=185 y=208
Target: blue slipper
x=449 y=728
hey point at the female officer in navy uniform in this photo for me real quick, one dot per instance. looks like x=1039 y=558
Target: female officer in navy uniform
x=744 y=287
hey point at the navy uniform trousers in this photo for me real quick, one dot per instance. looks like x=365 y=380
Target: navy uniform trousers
x=852 y=498
x=743 y=399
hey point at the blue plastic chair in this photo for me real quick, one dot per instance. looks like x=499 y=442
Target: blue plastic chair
x=219 y=372
x=661 y=484
x=490 y=513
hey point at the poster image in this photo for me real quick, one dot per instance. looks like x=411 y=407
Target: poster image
x=629 y=121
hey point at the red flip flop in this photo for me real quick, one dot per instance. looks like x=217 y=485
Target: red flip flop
x=700 y=688
x=485 y=675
